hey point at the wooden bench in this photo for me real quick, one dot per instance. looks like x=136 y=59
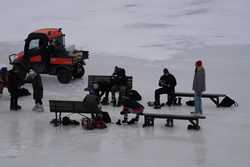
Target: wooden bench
x=61 y=106
x=214 y=97
x=193 y=119
x=92 y=79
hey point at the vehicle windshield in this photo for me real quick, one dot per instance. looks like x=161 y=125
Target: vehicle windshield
x=34 y=44
x=59 y=42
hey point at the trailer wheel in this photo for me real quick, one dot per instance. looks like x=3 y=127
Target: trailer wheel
x=79 y=72
x=64 y=76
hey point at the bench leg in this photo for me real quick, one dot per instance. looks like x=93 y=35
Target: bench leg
x=194 y=124
x=179 y=101
x=170 y=122
x=216 y=100
x=148 y=121
x=60 y=117
x=57 y=121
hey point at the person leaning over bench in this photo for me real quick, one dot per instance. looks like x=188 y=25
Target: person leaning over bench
x=119 y=83
x=167 y=83
x=199 y=86
x=101 y=88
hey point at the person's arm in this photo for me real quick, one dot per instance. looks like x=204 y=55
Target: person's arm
x=164 y=81
x=174 y=81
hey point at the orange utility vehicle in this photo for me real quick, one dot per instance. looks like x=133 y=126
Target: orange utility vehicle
x=45 y=53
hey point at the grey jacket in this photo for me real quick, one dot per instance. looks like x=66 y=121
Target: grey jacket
x=199 y=82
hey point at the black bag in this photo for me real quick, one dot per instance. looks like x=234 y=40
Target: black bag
x=190 y=103
x=134 y=95
x=23 y=92
x=105 y=117
x=66 y=121
x=227 y=102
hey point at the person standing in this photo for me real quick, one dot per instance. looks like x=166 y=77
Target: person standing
x=199 y=85
x=36 y=81
x=15 y=80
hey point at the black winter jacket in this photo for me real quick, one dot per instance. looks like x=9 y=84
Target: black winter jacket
x=119 y=77
x=167 y=81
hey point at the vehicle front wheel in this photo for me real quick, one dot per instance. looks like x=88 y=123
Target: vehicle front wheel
x=64 y=76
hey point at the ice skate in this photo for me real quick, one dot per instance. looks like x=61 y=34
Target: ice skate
x=38 y=108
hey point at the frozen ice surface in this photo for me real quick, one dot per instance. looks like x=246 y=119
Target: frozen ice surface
x=143 y=37
x=27 y=138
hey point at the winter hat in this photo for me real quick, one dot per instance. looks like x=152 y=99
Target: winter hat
x=165 y=70
x=198 y=63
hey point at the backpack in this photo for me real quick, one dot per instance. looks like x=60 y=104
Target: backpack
x=105 y=117
x=227 y=102
x=87 y=123
x=190 y=103
x=134 y=95
x=66 y=121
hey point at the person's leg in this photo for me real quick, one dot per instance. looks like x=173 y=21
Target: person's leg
x=158 y=92
x=12 y=103
x=113 y=90
x=122 y=93
x=106 y=95
x=105 y=100
x=197 y=101
x=37 y=89
x=37 y=93
x=13 y=83
x=200 y=104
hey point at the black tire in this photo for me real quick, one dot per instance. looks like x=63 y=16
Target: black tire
x=79 y=72
x=64 y=76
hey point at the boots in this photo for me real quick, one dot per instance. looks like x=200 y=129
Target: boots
x=38 y=107
x=134 y=120
x=125 y=119
x=13 y=104
x=157 y=105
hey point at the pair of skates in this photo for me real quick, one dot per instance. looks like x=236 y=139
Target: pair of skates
x=130 y=122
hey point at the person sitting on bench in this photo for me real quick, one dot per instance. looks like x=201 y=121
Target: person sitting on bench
x=103 y=88
x=119 y=83
x=167 y=83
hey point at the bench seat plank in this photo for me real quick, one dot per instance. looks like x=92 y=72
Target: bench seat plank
x=214 y=97
x=67 y=106
x=207 y=95
x=62 y=106
x=174 y=116
x=193 y=119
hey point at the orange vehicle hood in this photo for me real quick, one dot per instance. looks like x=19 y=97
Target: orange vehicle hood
x=20 y=55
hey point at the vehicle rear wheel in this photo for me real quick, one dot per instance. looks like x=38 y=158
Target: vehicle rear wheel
x=79 y=72
x=64 y=76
